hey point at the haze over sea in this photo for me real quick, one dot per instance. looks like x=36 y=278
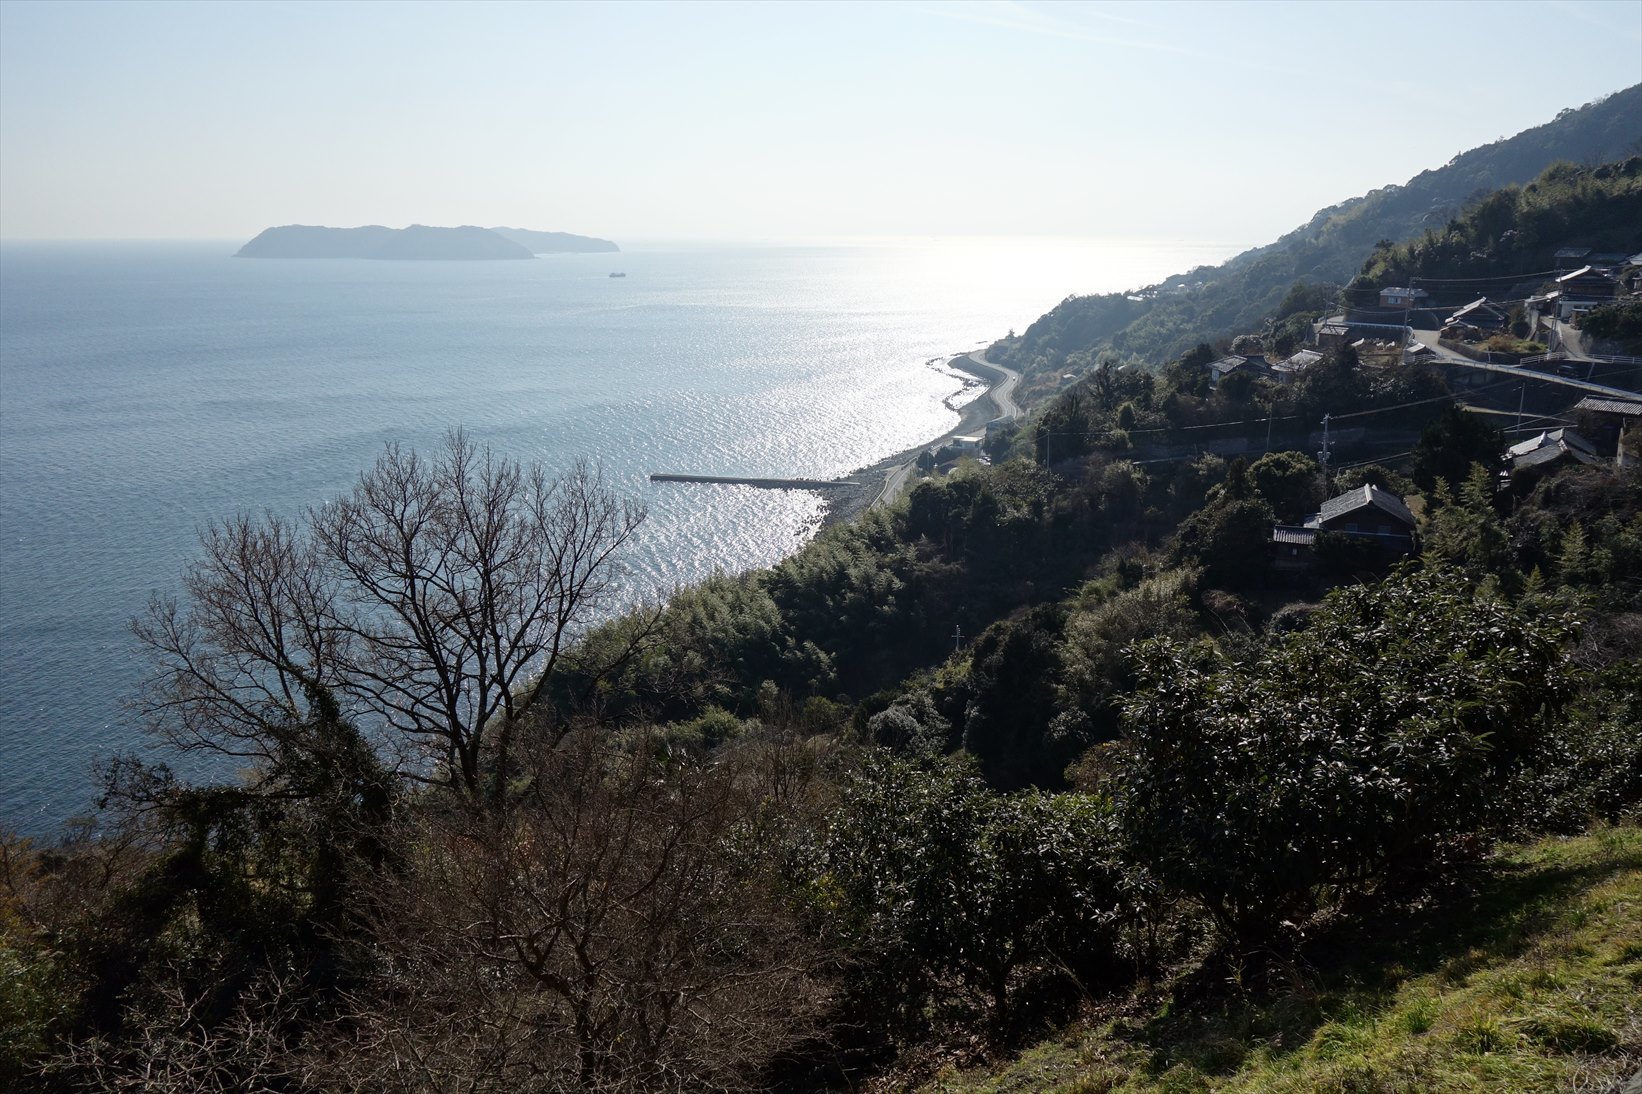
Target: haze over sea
x=147 y=389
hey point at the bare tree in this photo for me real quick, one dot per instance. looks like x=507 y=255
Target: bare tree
x=434 y=600
x=618 y=927
x=169 y=1047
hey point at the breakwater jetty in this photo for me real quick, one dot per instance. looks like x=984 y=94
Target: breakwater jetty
x=763 y=484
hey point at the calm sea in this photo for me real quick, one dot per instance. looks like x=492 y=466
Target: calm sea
x=146 y=389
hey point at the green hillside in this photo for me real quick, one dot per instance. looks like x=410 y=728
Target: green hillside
x=1518 y=229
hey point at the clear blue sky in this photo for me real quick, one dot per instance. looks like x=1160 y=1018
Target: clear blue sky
x=1219 y=121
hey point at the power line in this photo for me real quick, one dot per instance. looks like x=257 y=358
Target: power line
x=1497 y=277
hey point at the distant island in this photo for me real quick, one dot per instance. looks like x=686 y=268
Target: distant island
x=552 y=243
x=419 y=241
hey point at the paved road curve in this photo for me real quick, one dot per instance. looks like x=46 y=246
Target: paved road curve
x=1002 y=391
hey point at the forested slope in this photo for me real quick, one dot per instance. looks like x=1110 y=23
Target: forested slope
x=1517 y=230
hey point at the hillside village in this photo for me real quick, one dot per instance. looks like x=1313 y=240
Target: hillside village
x=1532 y=328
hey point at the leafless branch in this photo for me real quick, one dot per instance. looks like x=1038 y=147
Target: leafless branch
x=433 y=600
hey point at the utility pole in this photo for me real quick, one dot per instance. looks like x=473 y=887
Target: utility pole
x=957 y=637
x=1521 y=396
x=1323 y=454
x=1408 y=328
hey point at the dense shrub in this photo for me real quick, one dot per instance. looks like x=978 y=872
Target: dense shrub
x=1592 y=767
x=941 y=884
x=1346 y=756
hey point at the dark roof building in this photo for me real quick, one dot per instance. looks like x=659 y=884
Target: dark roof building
x=1368 y=510
x=1550 y=448
x=1588 y=283
x=1610 y=420
x=1367 y=513
x=1479 y=313
x=1253 y=363
x=1401 y=298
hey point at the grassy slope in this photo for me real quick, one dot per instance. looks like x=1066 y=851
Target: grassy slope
x=1530 y=981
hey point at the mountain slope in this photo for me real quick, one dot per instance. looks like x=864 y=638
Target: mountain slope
x=1165 y=319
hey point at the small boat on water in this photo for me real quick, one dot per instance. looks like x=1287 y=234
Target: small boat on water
x=618 y=275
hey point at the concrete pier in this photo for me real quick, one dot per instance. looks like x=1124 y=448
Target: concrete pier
x=763 y=484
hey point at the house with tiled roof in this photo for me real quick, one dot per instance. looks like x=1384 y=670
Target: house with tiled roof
x=1397 y=297
x=1367 y=513
x=1585 y=288
x=1480 y=313
x=1253 y=363
x=1292 y=366
x=1553 y=448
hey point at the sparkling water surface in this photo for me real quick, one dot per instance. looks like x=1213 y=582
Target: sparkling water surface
x=147 y=389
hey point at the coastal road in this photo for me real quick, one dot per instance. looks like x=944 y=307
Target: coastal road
x=1002 y=391
x=894 y=483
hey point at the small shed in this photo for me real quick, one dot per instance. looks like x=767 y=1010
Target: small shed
x=1416 y=352
x=1291 y=547
x=1331 y=333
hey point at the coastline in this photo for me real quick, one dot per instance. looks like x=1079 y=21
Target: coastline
x=874 y=481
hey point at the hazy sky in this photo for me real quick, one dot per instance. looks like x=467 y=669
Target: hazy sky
x=745 y=121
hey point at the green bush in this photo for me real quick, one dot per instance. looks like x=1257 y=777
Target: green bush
x=937 y=882
x=1348 y=755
